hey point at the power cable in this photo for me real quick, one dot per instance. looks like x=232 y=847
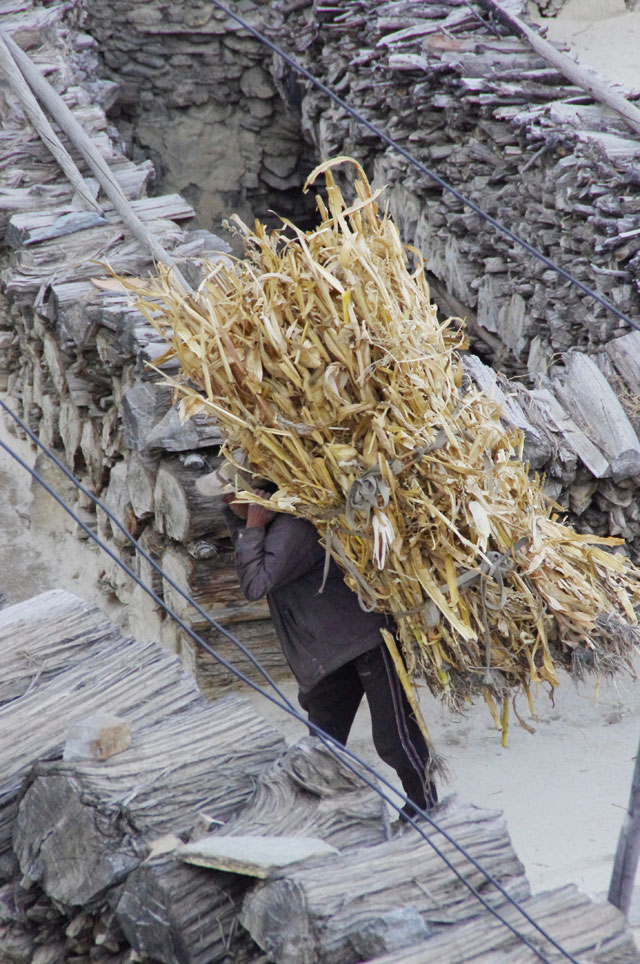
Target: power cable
x=351 y=760
x=529 y=248
x=283 y=703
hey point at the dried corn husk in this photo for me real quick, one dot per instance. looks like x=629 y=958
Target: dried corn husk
x=322 y=357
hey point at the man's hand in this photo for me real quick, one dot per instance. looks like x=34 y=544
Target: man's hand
x=258 y=516
x=241 y=509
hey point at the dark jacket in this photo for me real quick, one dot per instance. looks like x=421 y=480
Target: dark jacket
x=319 y=632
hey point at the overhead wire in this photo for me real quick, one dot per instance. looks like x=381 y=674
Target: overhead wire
x=429 y=172
x=347 y=757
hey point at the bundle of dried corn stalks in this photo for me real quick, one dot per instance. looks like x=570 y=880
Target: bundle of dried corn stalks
x=322 y=357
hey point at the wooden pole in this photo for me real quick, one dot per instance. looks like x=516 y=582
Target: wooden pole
x=80 y=139
x=628 y=850
x=40 y=123
x=598 y=89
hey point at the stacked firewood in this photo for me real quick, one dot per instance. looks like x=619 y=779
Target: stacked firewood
x=73 y=359
x=155 y=848
x=475 y=104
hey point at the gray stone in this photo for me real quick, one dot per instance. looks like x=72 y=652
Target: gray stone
x=146 y=15
x=255 y=856
x=255 y=82
x=283 y=167
x=260 y=109
x=389 y=931
x=280 y=183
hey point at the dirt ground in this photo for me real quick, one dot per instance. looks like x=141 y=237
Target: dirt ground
x=602 y=34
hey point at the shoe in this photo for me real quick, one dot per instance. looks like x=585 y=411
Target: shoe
x=409 y=812
x=437 y=810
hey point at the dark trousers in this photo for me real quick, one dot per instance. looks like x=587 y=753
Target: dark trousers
x=333 y=702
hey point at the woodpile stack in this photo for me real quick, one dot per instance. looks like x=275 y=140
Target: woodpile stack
x=74 y=355
x=73 y=352
x=477 y=106
x=112 y=852
x=73 y=827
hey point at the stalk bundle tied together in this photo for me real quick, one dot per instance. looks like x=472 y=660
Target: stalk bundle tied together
x=322 y=357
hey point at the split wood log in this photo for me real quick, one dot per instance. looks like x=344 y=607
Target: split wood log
x=587 y=452
x=141 y=479
x=31 y=650
x=41 y=226
x=50 y=424
x=110 y=351
x=18 y=200
x=116 y=500
x=153 y=544
x=259 y=639
x=78 y=259
x=150 y=423
x=586 y=929
x=82 y=827
x=110 y=433
x=181 y=512
x=624 y=352
x=42 y=384
x=176 y=914
x=212 y=583
x=136 y=680
x=174 y=435
x=332 y=909
x=34 y=226
x=70 y=430
x=57 y=362
x=311 y=792
x=75 y=307
x=92 y=454
x=38 y=118
x=59 y=110
x=205 y=573
x=143 y=406
x=586 y=393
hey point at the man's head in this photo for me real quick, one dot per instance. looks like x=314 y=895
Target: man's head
x=231 y=478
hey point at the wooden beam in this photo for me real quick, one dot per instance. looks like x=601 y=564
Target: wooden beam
x=42 y=126
x=628 y=849
x=597 y=88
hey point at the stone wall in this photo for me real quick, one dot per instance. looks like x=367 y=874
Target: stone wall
x=198 y=98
